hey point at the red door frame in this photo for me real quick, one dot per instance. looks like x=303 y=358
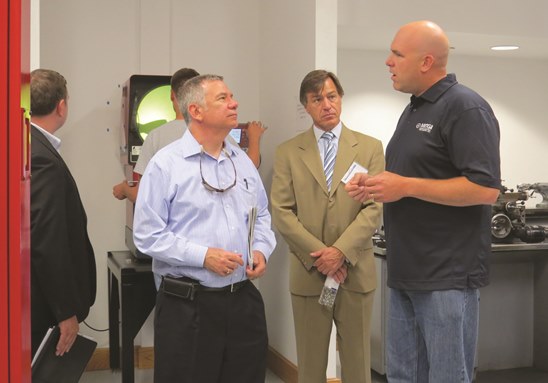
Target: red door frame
x=15 y=193
x=4 y=323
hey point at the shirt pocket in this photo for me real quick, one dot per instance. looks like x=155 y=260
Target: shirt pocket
x=248 y=192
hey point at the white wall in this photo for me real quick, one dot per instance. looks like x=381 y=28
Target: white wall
x=96 y=50
x=282 y=66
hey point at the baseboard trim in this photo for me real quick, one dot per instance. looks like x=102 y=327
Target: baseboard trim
x=144 y=359
x=281 y=366
x=285 y=369
x=100 y=360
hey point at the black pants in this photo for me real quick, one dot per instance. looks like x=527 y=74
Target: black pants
x=219 y=337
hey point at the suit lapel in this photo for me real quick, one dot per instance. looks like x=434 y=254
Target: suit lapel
x=311 y=158
x=346 y=153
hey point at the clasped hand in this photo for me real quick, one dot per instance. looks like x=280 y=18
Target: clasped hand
x=330 y=261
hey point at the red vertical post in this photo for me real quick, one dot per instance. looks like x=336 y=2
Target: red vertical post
x=4 y=292
x=18 y=193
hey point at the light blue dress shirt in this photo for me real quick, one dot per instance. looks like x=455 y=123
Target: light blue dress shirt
x=177 y=219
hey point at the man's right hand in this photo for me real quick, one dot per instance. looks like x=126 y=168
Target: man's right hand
x=119 y=190
x=356 y=187
x=340 y=275
x=124 y=190
x=222 y=262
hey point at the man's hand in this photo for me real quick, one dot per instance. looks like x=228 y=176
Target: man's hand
x=119 y=190
x=385 y=187
x=259 y=266
x=222 y=262
x=341 y=274
x=69 y=329
x=255 y=130
x=330 y=259
x=356 y=187
x=125 y=190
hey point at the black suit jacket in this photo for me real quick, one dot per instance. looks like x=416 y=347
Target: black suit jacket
x=63 y=273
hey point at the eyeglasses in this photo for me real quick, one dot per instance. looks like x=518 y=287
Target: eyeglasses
x=212 y=188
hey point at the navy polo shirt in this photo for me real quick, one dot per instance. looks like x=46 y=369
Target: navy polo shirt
x=449 y=131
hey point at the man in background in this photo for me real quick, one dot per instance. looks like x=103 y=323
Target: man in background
x=173 y=130
x=63 y=274
x=443 y=174
x=192 y=216
x=328 y=233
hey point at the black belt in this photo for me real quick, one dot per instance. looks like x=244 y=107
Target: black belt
x=186 y=288
x=229 y=288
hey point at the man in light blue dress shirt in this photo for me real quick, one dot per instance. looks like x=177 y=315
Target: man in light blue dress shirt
x=192 y=217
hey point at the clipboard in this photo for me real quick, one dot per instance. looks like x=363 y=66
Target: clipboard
x=50 y=368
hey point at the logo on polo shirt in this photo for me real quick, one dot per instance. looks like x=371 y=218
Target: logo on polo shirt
x=424 y=127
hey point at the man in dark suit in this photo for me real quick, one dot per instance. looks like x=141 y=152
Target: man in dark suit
x=63 y=274
x=328 y=233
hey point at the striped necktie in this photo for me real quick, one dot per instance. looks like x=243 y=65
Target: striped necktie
x=329 y=157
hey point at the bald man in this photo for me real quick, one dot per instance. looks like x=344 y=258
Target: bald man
x=442 y=174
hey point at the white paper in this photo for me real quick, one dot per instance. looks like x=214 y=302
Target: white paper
x=331 y=283
x=329 y=292
x=250 y=230
x=353 y=169
x=42 y=344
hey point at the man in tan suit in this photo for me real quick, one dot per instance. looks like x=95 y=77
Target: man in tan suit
x=328 y=233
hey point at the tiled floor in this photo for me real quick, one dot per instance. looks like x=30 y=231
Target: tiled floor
x=518 y=375
x=141 y=376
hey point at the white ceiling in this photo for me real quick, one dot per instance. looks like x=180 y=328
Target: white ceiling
x=473 y=26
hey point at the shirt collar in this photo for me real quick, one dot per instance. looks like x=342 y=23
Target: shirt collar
x=54 y=141
x=433 y=93
x=192 y=147
x=337 y=130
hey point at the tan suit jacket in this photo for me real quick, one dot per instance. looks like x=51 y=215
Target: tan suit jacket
x=309 y=218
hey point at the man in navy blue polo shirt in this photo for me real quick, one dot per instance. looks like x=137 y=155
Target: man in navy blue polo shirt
x=442 y=174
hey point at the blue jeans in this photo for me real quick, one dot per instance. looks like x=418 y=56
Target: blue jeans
x=432 y=336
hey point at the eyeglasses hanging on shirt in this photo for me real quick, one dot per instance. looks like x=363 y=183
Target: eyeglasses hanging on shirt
x=207 y=185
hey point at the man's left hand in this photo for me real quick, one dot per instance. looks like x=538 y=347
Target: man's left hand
x=259 y=266
x=330 y=259
x=69 y=330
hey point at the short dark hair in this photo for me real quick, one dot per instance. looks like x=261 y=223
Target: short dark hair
x=47 y=88
x=180 y=77
x=314 y=82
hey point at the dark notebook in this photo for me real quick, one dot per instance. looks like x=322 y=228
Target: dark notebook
x=49 y=368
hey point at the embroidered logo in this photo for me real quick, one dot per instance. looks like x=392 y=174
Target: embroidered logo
x=424 y=127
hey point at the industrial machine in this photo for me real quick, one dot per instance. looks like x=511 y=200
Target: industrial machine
x=510 y=214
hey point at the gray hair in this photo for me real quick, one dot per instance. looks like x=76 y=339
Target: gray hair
x=192 y=92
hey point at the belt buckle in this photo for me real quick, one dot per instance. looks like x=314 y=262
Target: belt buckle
x=232 y=288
